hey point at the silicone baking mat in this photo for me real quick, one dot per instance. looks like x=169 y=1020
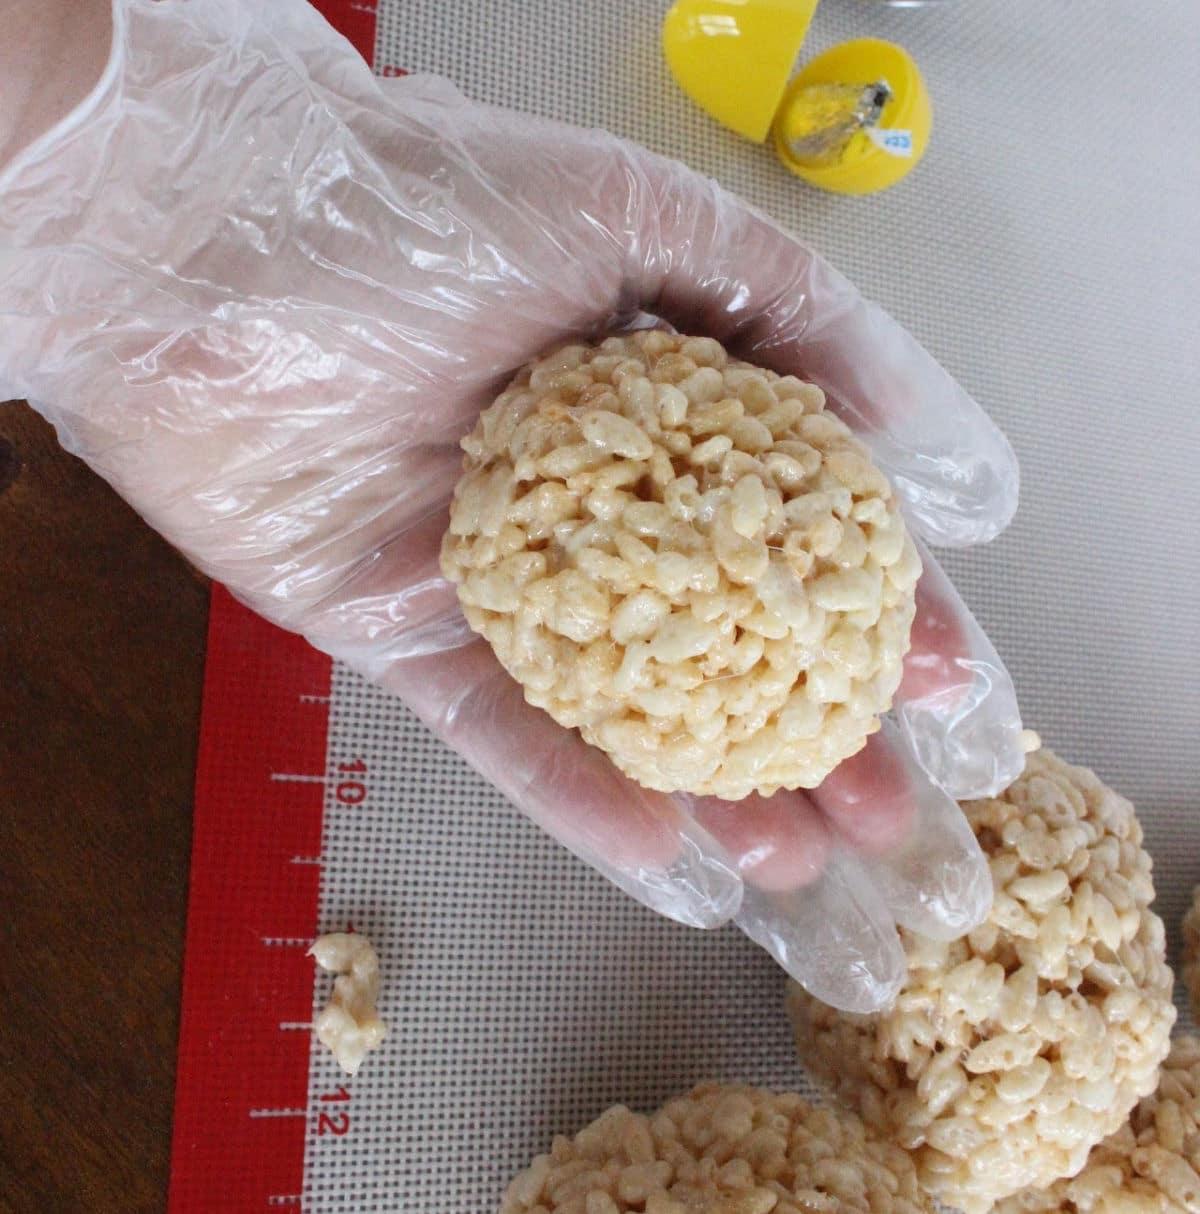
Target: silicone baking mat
x=1045 y=251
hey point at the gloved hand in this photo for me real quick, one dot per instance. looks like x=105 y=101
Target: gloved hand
x=264 y=294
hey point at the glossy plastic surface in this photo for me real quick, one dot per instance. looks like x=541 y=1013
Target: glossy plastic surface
x=733 y=57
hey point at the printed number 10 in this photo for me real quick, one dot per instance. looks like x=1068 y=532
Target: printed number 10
x=351 y=792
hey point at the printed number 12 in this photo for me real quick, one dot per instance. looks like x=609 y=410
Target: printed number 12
x=337 y=1123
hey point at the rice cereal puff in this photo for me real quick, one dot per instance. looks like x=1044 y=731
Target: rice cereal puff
x=687 y=559
x=1011 y=1053
x=721 y=1150
x=1151 y=1165
x=1191 y=953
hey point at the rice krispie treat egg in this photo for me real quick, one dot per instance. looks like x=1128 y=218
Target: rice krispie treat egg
x=1010 y=1053
x=1191 y=953
x=1151 y=1165
x=686 y=558
x=721 y=1150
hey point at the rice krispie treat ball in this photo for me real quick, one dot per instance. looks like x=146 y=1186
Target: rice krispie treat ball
x=1009 y=1054
x=687 y=559
x=1191 y=953
x=1151 y=1165
x=721 y=1150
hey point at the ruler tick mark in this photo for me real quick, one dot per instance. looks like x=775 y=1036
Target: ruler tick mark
x=307 y=860
x=289 y=777
x=307 y=699
x=296 y=1025
x=287 y=941
x=280 y=1199
x=256 y=1113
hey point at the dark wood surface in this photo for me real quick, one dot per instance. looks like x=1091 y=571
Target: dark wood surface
x=102 y=631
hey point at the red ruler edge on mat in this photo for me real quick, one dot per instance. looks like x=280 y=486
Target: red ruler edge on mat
x=241 y=1088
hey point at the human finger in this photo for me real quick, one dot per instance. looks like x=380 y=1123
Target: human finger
x=641 y=841
x=776 y=843
x=835 y=936
x=956 y=707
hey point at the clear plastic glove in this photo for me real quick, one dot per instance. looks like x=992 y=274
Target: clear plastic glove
x=264 y=294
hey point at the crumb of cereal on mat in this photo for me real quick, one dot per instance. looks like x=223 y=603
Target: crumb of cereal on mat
x=1030 y=741
x=1151 y=1165
x=1191 y=953
x=349 y=1027
x=721 y=1150
x=686 y=558
x=1012 y=1052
